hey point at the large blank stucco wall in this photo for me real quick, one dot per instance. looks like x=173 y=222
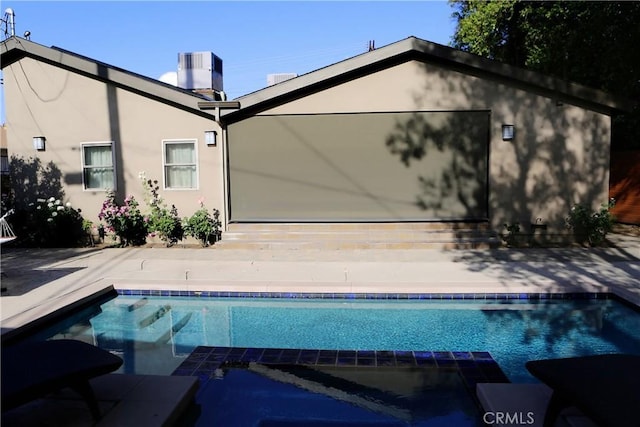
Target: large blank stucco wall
x=356 y=167
x=70 y=109
x=560 y=154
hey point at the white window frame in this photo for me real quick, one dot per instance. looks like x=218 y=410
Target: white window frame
x=113 y=164
x=166 y=142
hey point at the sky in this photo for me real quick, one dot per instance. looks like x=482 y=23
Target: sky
x=253 y=38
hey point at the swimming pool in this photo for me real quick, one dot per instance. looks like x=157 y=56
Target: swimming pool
x=155 y=334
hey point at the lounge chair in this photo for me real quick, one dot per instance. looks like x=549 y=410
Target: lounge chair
x=34 y=369
x=605 y=388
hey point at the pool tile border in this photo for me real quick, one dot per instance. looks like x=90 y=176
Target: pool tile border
x=474 y=366
x=370 y=296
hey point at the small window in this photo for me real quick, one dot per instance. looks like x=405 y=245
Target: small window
x=180 y=166
x=97 y=166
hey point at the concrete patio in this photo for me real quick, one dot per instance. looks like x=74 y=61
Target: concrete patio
x=41 y=282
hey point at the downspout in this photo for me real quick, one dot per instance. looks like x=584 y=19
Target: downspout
x=217 y=107
x=225 y=175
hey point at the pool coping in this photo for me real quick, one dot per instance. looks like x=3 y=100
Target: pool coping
x=206 y=362
x=371 y=295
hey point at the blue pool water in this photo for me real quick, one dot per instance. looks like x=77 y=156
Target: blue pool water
x=288 y=396
x=155 y=334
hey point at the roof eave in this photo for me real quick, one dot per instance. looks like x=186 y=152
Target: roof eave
x=445 y=56
x=15 y=49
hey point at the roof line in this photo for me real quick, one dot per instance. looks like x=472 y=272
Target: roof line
x=14 y=49
x=429 y=52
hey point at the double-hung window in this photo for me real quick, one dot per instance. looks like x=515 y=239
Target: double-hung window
x=98 y=166
x=180 y=164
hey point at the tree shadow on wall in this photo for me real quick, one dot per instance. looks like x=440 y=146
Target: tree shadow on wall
x=541 y=173
x=455 y=186
x=31 y=180
x=35 y=222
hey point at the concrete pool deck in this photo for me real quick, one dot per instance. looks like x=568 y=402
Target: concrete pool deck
x=41 y=281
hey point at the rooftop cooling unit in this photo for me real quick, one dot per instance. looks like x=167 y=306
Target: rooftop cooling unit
x=273 y=79
x=199 y=70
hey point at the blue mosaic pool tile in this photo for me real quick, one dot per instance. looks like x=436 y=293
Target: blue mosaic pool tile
x=473 y=367
x=373 y=296
x=443 y=355
x=198 y=357
x=202 y=349
x=273 y=358
x=215 y=358
x=290 y=356
x=481 y=355
x=446 y=363
x=385 y=358
x=252 y=355
x=327 y=357
x=423 y=354
x=308 y=357
x=466 y=364
x=405 y=361
x=426 y=362
x=348 y=361
x=462 y=355
x=366 y=354
x=366 y=361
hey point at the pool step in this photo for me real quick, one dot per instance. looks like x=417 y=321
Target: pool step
x=177 y=327
x=425 y=235
x=142 y=322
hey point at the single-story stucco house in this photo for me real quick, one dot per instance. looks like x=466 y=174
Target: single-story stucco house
x=412 y=132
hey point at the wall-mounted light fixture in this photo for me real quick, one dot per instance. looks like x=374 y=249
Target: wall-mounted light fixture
x=507 y=132
x=39 y=143
x=210 y=137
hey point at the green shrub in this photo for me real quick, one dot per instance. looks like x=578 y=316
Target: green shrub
x=513 y=231
x=48 y=223
x=167 y=224
x=203 y=226
x=162 y=220
x=589 y=226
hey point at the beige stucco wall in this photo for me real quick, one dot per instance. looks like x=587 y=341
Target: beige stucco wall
x=70 y=109
x=560 y=154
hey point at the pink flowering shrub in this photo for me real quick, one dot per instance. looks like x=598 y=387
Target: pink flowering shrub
x=125 y=221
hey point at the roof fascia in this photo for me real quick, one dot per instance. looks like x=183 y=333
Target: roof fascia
x=15 y=49
x=428 y=52
x=533 y=81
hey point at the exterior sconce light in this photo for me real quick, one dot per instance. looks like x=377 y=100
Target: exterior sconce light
x=507 y=132
x=39 y=143
x=210 y=137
